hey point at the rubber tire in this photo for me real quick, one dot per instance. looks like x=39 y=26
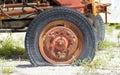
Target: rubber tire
x=57 y=13
x=100 y=28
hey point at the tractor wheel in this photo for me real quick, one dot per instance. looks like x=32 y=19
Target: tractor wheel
x=100 y=28
x=60 y=36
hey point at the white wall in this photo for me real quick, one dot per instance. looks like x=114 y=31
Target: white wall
x=114 y=9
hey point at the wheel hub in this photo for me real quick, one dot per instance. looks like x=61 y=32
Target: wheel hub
x=60 y=44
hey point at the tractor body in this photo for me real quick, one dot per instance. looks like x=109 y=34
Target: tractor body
x=16 y=9
x=58 y=31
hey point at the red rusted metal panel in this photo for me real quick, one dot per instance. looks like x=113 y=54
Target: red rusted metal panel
x=69 y=2
x=83 y=6
x=76 y=4
x=21 y=12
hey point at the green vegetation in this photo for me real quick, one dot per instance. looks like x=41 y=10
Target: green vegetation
x=112 y=26
x=115 y=25
x=105 y=55
x=5 y=67
x=102 y=60
x=106 y=44
x=2 y=60
x=8 y=69
x=110 y=55
x=118 y=35
x=109 y=28
x=98 y=63
x=9 y=48
x=81 y=62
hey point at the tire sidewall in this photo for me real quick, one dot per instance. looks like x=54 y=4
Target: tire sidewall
x=100 y=28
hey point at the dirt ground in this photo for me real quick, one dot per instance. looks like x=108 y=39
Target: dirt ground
x=25 y=68
x=111 y=67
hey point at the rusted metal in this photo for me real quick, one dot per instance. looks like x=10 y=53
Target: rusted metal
x=60 y=42
x=19 y=9
x=98 y=7
x=21 y=5
x=102 y=8
x=15 y=24
x=76 y=4
x=83 y=6
x=16 y=5
x=25 y=11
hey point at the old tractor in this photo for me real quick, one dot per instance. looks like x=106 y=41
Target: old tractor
x=57 y=31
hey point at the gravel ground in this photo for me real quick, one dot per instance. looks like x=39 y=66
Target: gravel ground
x=112 y=67
x=25 y=68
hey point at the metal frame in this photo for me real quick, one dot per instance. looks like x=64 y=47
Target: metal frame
x=83 y=6
x=29 y=10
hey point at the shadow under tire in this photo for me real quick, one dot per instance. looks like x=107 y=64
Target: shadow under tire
x=59 y=36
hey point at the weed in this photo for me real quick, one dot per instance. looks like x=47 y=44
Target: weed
x=5 y=67
x=11 y=49
x=109 y=28
x=81 y=62
x=2 y=60
x=110 y=55
x=88 y=68
x=101 y=61
x=8 y=69
x=106 y=44
x=117 y=26
x=103 y=58
x=118 y=35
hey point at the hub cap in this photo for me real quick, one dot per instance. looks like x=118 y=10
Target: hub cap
x=60 y=42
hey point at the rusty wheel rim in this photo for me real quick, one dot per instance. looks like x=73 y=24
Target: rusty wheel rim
x=60 y=42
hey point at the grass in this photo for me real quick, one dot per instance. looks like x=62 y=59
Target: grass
x=117 y=26
x=118 y=35
x=103 y=60
x=2 y=60
x=10 y=48
x=106 y=44
x=111 y=27
x=111 y=55
x=96 y=64
x=105 y=57
x=5 y=67
x=8 y=69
